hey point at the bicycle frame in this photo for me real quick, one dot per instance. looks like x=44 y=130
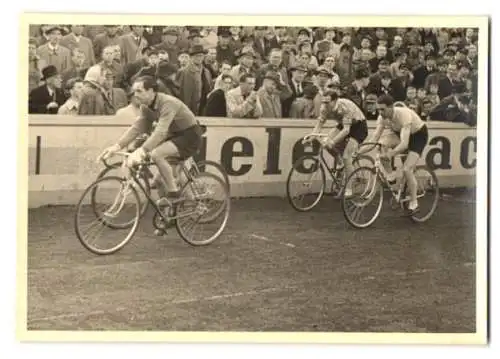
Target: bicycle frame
x=135 y=175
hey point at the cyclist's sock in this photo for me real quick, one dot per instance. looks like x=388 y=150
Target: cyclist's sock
x=412 y=205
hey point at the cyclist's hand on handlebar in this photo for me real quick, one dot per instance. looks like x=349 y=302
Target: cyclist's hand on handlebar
x=136 y=157
x=108 y=152
x=308 y=138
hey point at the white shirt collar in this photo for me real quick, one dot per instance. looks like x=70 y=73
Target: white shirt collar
x=53 y=48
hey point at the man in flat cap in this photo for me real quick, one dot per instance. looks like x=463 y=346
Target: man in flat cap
x=246 y=59
x=225 y=50
x=53 y=53
x=195 y=81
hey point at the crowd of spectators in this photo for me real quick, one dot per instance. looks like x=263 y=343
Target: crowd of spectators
x=253 y=72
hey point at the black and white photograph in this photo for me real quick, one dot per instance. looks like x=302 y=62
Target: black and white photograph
x=255 y=176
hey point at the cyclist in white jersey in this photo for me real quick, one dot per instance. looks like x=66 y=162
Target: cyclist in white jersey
x=407 y=132
x=354 y=132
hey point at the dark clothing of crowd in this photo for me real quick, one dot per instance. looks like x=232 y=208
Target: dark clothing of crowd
x=427 y=69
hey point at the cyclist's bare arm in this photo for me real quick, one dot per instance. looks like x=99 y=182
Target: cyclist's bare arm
x=405 y=139
x=375 y=137
x=160 y=133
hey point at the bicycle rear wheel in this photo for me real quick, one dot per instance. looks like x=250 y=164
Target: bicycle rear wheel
x=365 y=187
x=211 y=167
x=204 y=209
x=98 y=209
x=306 y=173
x=143 y=196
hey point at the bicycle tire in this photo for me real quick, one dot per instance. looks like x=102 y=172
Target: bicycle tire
x=204 y=163
x=227 y=208
x=316 y=162
x=415 y=217
x=134 y=225
x=378 y=187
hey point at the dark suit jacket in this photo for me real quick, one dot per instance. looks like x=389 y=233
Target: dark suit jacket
x=447 y=88
x=420 y=74
x=216 y=104
x=287 y=103
x=39 y=98
x=395 y=89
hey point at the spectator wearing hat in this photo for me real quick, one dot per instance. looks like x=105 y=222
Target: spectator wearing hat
x=74 y=87
x=304 y=107
x=95 y=100
x=152 y=58
x=246 y=61
x=370 y=108
x=53 y=53
x=144 y=63
x=107 y=38
x=421 y=73
x=269 y=95
x=404 y=75
x=75 y=40
x=195 y=81
x=297 y=76
x=170 y=43
x=195 y=37
x=109 y=62
x=211 y=64
x=436 y=76
x=235 y=41
x=451 y=83
x=116 y=96
x=449 y=55
x=132 y=45
x=166 y=74
x=345 y=64
x=78 y=68
x=275 y=64
x=225 y=49
x=389 y=86
x=243 y=101
x=216 y=100
x=357 y=90
x=183 y=59
x=47 y=98
x=35 y=65
x=270 y=40
x=153 y=35
x=303 y=35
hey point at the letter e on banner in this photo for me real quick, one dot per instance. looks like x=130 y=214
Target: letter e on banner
x=228 y=153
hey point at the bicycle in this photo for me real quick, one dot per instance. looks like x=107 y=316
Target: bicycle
x=193 y=203
x=365 y=188
x=318 y=165
x=195 y=168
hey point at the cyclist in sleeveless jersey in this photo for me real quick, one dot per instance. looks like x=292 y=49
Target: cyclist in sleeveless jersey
x=407 y=132
x=177 y=134
x=351 y=127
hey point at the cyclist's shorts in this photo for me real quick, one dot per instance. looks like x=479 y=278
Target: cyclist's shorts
x=188 y=141
x=418 y=140
x=358 y=131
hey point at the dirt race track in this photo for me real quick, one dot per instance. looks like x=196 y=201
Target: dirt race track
x=273 y=269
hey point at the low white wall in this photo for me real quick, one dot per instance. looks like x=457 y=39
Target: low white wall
x=257 y=154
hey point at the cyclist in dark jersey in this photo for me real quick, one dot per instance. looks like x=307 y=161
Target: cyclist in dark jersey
x=177 y=134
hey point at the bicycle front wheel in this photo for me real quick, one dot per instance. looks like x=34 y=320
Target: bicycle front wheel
x=114 y=170
x=427 y=194
x=202 y=215
x=104 y=203
x=367 y=197
x=305 y=185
